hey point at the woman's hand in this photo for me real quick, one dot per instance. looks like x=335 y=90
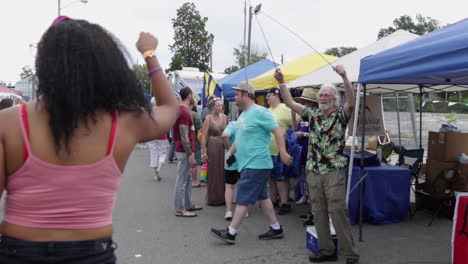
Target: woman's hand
x=146 y=42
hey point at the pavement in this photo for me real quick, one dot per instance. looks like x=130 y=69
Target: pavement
x=147 y=231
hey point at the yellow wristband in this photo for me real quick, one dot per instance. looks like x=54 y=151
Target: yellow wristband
x=149 y=53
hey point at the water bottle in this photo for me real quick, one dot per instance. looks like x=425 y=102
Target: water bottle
x=204 y=172
x=379 y=154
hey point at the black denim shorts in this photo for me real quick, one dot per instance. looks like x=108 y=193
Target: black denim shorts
x=15 y=251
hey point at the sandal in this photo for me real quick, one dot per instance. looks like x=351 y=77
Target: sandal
x=185 y=214
x=195 y=208
x=198 y=185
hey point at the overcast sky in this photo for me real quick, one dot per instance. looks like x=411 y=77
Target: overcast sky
x=323 y=23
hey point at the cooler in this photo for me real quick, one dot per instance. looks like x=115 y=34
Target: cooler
x=312 y=239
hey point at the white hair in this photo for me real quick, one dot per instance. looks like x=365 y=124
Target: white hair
x=334 y=93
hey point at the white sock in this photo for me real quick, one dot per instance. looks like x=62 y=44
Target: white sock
x=276 y=226
x=232 y=231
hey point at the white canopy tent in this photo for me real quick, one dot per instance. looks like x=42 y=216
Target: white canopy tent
x=352 y=63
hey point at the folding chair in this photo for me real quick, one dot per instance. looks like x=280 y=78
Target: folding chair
x=411 y=159
x=441 y=192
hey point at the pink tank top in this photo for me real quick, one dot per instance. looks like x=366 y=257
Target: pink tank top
x=45 y=195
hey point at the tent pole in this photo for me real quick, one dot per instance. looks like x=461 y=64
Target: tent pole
x=398 y=119
x=413 y=118
x=353 y=145
x=420 y=114
x=361 y=187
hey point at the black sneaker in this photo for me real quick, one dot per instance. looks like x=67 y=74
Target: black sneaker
x=305 y=217
x=323 y=258
x=284 y=209
x=352 y=261
x=224 y=235
x=272 y=234
x=309 y=222
x=275 y=204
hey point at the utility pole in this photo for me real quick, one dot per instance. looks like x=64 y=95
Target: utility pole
x=250 y=35
x=245 y=22
x=58 y=7
x=257 y=10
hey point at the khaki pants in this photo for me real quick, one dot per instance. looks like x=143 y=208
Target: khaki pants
x=328 y=195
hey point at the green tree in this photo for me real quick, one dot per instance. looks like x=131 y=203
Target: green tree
x=422 y=25
x=240 y=55
x=192 y=43
x=3 y=83
x=231 y=69
x=340 y=51
x=26 y=71
x=141 y=72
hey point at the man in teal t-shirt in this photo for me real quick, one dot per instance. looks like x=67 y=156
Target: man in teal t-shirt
x=252 y=151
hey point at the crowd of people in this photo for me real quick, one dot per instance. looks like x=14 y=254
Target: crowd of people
x=70 y=140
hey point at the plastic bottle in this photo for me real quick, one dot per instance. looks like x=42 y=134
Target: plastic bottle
x=379 y=154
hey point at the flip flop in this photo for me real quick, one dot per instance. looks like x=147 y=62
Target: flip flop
x=195 y=208
x=185 y=214
x=198 y=185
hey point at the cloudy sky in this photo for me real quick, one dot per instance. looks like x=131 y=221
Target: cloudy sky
x=323 y=23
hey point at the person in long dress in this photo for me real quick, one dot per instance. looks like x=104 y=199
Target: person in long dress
x=213 y=152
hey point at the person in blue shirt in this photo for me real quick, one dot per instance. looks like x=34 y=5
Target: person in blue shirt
x=252 y=151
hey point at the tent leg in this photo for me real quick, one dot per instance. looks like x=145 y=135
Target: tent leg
x=353 y=145
x=413 y=118
x=361 y=187
x=398 y=119
x=420 y=114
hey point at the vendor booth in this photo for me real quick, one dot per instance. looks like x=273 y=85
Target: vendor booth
x=433 y=62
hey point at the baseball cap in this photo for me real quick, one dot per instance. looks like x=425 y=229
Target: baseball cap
x=275 y=91
x=246 y=87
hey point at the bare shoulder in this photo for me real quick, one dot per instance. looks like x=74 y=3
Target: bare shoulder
x=8 y=117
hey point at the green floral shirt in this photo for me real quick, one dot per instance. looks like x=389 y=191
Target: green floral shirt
x=326 y=141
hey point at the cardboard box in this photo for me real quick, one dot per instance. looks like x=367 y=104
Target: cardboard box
x=447 y=146
x=433 y=169
x=312 y=239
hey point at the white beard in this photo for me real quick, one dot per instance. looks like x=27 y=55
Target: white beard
x=325 y=107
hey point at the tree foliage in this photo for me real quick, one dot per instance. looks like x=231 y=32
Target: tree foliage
x=141 y=72
x=240 y=55
x=340 y=51
x=231 y=69
x=26 y=71
x=422 y=25
x=192 y=43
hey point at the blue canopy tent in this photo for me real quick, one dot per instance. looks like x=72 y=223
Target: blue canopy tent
x=251 y=71
x=433 y=62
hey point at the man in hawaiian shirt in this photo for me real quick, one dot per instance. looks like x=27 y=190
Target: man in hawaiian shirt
x=326 y=164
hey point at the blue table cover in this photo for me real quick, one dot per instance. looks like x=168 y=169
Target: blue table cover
x=386 y=194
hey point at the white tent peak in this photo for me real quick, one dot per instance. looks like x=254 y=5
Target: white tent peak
x=352 y=62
